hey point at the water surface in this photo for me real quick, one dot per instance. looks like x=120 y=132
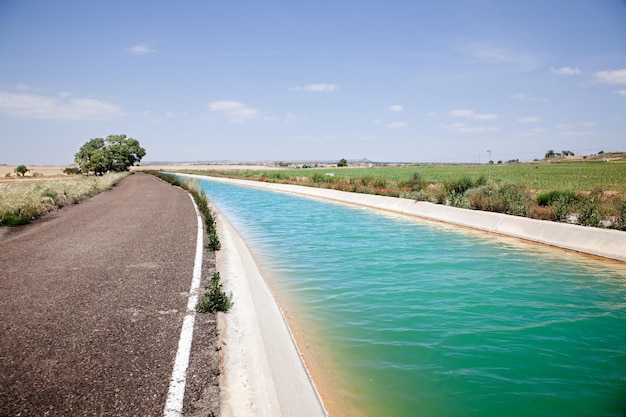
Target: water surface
x=424 y=320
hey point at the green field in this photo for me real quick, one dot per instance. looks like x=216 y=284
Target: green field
x=571 y=176
x=586 y=192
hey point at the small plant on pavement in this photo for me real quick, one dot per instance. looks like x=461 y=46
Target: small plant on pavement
x=214 y=242
x=215 y=299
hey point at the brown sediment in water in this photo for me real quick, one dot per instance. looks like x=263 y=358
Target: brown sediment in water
x=324 y=368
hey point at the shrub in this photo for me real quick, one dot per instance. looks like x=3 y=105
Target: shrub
x=620 y=218
x=415 y=182
x=366 y=180
x=52 y=194
x=72 y=171
x=215 y=299
x=14 y=219
x=463 y=184
x=318 y=177
x=562 y=208
x=507 y=198
x=513 y=199
x=380 y=183
x=551 y=197
x=214 y=242
x=458 y=186
x=589 y=214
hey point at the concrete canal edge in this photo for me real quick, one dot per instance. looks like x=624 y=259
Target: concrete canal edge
x=264 y=373
x=605 y=243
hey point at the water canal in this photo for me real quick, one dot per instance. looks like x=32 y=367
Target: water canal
x=407 y=318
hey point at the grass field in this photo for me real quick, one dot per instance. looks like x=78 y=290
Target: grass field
x=591 y=193
x=22 y=200
x=572 y=176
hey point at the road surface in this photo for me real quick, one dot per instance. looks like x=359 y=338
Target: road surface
x=92 y=300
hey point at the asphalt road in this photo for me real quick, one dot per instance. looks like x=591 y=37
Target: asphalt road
x=92 y=299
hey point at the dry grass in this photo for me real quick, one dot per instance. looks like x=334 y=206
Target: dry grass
x=24 y=200
x=35 y=171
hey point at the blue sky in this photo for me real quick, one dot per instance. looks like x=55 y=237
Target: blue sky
x=411 y=81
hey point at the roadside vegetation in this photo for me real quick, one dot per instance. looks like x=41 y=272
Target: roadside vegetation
x=585 y=192
x=215 y=299
x=109 y=159
x=24 y=201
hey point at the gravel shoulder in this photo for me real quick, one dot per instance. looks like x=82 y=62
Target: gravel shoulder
x=92 y=299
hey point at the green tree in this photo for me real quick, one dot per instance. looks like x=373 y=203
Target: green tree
x=124 y=152
x=21 y=170
x=342 y=163
x=550 y=154
x=115 y=153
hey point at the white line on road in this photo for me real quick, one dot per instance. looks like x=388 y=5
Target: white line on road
x=176 y=393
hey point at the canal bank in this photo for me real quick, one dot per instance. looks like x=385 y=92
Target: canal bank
x=264 y=373
x=605 y=243
x=252 y=360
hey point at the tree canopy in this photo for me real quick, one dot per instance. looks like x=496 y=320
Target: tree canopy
x=21 y=170
x=115 y=153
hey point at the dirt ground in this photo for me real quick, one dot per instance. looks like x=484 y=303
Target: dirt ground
x=51 y=171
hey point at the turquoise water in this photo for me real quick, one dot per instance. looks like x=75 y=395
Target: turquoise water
x=423 y=320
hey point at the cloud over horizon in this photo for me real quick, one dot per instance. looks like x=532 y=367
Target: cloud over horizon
x=531 y=119
x=62 y=107
x=141 y=49
x=612 y=76
x=566 y=71
x=396 y=125
x=234 y=111
x=317 y=88
x=471 y=114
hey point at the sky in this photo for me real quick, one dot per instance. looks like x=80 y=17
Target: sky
x=407 y=81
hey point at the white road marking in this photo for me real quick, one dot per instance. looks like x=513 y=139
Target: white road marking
x=176 y=393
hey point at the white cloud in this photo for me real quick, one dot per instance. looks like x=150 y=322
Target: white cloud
x=317 y=88
x=566 y=71
x=288 y=118
x=23 y=87
x=577 y=129
x=496 y=54
x=471 y=114
x=141 y=49
x=612 y=77
x=396 y=107
x=396 y=125
x=620 y=92
x=63 y=107
x=234 y=111
x=309 y=138
x=463 y=128
x=524 y=96
x=531 y=119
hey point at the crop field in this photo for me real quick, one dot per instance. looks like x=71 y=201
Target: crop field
x=590 y=193
x=570 y=176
